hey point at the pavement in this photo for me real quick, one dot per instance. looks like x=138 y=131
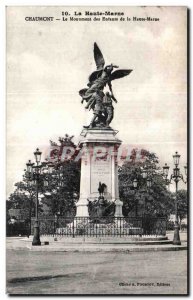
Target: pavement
x=104 y=273
x=65 y=268
x=97 y=245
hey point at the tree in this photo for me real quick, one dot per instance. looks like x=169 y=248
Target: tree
x=21 y=202
x=63 y=184
x=155 y=201
x=62 y=192
x=182 y=205
x=58 y=190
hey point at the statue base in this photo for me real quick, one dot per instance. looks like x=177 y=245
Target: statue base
x=99 y=148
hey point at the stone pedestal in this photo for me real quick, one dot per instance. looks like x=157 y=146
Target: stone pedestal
x=98 y=164
x=118 y=208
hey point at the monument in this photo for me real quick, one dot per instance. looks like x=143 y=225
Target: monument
x=98 y=141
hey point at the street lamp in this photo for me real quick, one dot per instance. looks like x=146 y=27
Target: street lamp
x=46 y=183
x=165 y=171
x=144 y=173
x=27 y=179
x=29 y=166
x=34 y=171
x=176 y=177
x=37 y=155
x=149 y=182
x=165 y=175
x=36 y=238
x=50 y=167
x=147 y=172
x=135 y=184
x=176 y=158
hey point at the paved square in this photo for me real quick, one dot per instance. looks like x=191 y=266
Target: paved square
x=33 y=272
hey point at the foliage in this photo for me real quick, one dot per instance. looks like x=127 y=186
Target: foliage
x=60 y=193
x=156 y=200
x=18 y=228
x=59 y=189
x=63 y=191
x=20 y=200
x=182 y=208
x=182 y=204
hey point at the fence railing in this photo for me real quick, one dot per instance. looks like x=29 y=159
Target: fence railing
x=85 y=226
x=101 y=227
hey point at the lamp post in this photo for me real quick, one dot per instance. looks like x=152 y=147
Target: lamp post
x=37 y=171
x=147 y=174
x=176 y=177
x=165 y=171
x=149 y=184
x=27 y=178
x=135 y=184
x=144 y=173
x=34 y=171
x=165 y=175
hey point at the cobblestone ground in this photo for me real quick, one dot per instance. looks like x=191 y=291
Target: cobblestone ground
x=32 y=272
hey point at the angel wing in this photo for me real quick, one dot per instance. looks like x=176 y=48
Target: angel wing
x=95 y=75
x=119 y=74
x=98 y=57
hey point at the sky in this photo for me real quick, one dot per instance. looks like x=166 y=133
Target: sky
x=49 y=62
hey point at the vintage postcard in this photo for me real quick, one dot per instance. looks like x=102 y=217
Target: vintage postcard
x=97 y=167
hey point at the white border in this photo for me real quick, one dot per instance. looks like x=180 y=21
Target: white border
x=97 y=3
x=3 y=5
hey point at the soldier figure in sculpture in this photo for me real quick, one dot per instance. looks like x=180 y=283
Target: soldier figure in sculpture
x=108 y=107
x=103 y=114
x=96 y=103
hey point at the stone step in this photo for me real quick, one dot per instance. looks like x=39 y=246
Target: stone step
x=100 y=248
x=150 y=240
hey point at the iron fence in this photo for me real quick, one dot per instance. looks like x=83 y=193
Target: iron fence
x=95 y=227
x=101 y=227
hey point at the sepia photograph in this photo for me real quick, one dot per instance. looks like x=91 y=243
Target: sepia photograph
x=96 y=145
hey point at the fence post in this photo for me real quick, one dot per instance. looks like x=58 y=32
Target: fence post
x=73 y=228
x=54 y=227
x=30 y=226
x=141 y=226
x=55 y=223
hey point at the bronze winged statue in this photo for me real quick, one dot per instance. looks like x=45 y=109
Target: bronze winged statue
x=98 y=79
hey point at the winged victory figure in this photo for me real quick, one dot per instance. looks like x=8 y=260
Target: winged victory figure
x=98 y=79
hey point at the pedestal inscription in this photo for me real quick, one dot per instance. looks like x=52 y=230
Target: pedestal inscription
x=101 y=171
